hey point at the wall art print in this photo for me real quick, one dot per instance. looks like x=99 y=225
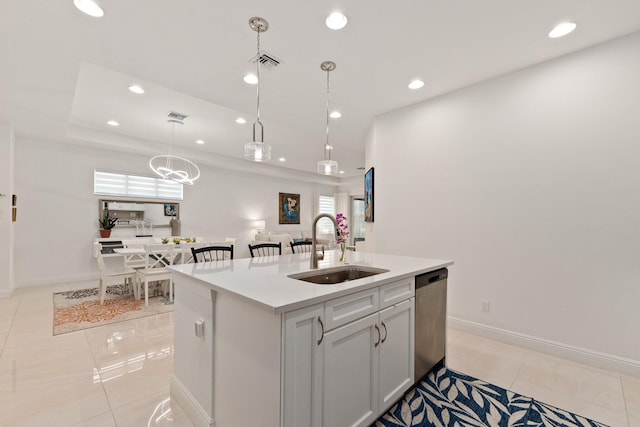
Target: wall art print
x=289 y=208
x=368 y=196
x=170 y=210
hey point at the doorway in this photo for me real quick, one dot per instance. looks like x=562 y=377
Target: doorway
x=357 y=219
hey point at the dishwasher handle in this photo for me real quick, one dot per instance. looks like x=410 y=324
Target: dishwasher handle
x=431 y=277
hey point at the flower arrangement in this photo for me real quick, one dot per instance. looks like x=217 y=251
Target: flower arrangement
x=342 y=233
x=178 y=240
x=343 y=228
x=109 y=220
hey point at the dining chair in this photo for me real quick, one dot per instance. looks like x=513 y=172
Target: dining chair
x=135 y=260
x=300 y=247
x=265 y=249
x=110 y=277
x=212 y=253
x=157 y=258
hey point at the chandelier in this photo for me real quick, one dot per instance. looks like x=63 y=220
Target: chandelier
x=327 y=166
x=173 y=167
x=258 y=151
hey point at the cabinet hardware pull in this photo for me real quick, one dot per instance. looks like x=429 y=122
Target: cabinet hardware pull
x=385 y=333
x=377 y=329
x=322 y=335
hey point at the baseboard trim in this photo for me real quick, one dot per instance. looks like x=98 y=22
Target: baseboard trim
x=554 y=348
x=189 y=404
x=6 y=293
x=57 y=280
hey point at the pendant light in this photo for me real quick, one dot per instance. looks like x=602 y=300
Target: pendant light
x=258 y=151
x=173 y=167
x=327 y=166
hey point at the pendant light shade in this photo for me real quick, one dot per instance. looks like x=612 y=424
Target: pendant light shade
x=327 y=166
x=173 y=167
x=257 y=150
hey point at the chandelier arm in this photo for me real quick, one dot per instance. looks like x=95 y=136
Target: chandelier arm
x=175 y=168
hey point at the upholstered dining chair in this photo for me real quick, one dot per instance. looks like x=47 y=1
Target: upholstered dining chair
x=110 y=277
x=265 y=249
x=157 y=258
x=300 y=247
x=212 y=253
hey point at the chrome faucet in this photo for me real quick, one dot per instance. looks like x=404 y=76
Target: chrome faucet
x=314 y=253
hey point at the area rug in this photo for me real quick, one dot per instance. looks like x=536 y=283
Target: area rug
x=448 y=398
x=81 y=309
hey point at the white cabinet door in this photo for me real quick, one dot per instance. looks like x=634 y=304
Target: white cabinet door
x=350 y=374
x=396 y=352
x=302 y=364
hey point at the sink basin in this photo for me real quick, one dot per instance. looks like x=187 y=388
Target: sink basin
x=331 y=276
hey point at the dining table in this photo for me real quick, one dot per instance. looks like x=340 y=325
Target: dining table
x=135 y=256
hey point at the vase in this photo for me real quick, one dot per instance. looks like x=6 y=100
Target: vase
x=343 y=248
x=105 y=233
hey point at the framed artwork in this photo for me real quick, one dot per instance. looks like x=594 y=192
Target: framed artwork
x=368 y=196
x=288 y=208
x=170 y=210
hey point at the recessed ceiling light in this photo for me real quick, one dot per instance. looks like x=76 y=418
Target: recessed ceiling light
x=336 y=21
x=251 y=79
x=335 y=114
x=282 y=159
x=113 y=123
x=341 y=172
x=136 y=89
x=416 y=84
x=562 y=29
x=89 y=7
x=199 y=141
x=241 y=121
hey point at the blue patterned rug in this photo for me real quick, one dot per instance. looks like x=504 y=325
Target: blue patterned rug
x=447 y=398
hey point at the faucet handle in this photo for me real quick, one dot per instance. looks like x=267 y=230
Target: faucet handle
x=319 y=254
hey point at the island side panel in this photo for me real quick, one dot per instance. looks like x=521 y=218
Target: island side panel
x=247 y=356
x=192 y=379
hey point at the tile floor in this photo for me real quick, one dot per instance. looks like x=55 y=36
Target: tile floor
x=118 y=375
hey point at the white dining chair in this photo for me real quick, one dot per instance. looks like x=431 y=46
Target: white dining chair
x=157 y=258
x=110 y=277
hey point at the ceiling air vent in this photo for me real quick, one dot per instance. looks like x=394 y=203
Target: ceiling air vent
x=267 y=60
x=174 y=115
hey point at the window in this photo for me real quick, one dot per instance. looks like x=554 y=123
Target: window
x=326 y=204
x=117 y=184
x=357 y=219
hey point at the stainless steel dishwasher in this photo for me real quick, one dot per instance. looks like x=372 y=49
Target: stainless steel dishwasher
x=431 y=318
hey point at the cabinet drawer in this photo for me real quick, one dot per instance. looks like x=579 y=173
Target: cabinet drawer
x=351 y=307
x=395 y=292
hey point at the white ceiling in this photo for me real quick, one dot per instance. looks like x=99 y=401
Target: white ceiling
x=64 y=74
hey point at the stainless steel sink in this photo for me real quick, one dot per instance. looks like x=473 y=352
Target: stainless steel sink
x=331 y=276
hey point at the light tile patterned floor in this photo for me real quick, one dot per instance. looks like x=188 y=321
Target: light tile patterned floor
x=118 y=375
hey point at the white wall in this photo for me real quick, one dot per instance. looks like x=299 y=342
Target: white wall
x=531 y=184
x=58 y=214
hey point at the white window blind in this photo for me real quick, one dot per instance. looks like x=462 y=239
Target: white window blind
x=326 y=204
x=117 y=184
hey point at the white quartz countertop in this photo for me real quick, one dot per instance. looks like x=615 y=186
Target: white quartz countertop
x=264 y=281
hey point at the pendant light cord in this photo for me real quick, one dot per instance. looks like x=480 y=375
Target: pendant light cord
x=327 y=151
x=258 y=95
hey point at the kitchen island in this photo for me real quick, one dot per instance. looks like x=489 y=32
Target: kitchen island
x=254 y=347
